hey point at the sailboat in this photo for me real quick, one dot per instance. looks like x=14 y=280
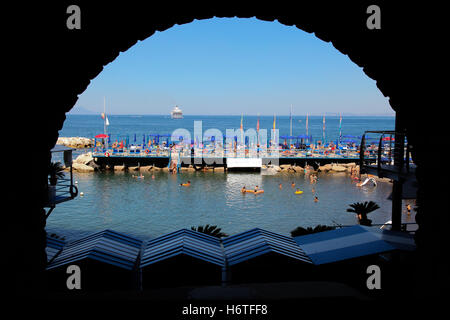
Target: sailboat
x=105 y=121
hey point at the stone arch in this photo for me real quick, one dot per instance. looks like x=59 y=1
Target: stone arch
x=70 y=59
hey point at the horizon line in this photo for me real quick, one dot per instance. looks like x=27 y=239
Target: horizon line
x=225 y=115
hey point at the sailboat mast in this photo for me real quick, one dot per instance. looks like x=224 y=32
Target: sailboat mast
x=290 y=131
x=104 y=112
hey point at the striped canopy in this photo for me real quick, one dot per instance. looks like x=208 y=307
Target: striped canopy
x=108 y=246
x=250 y=244
x=54 y=246
x=192 y=243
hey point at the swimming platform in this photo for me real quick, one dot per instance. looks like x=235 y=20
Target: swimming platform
x=163 y=158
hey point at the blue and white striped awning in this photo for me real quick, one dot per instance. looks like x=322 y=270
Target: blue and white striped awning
x=349 y=242
x=183 y=242
x=54 y=246
x=256 y=242
x=108 y=246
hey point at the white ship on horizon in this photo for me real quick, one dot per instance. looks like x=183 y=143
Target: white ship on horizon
x=176 y=113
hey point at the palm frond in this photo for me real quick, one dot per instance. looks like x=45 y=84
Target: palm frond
x=210 y=230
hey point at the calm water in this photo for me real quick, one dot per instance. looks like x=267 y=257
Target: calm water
x=151 y=207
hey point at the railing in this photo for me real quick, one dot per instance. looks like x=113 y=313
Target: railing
x=352 y=153
x=64 y=190
x=392 y=154
x=126 y=152
x=403 y=228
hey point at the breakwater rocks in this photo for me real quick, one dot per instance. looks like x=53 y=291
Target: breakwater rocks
x=342 y=167
x=85 y=163
x=76 y=142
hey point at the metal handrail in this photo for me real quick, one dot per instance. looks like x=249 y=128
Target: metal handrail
x=398 y=156
x=403 y=225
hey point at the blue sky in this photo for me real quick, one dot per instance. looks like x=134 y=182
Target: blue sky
x=232 y=66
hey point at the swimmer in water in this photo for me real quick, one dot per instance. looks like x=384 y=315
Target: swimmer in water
x=186 y=184
x=313 y=190
x=243 y=189
x=281 y=186
x=316 y=199
x=256 y=188
x=153 y=176
x=408 y=208
x=293 y=184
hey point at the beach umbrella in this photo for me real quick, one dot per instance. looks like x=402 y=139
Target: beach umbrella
x=101 y=136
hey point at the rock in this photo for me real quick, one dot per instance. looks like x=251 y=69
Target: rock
x=84 y=158
x=298 y=169
x=338 y=168
x=383 y=179
x=270 y=171
x=133 y=168
x=156 y=169
x=285 y=166
x=145 y=168
x=80 y=167
x=325 y=168
x=76 y=142
x=277 y=168
x=119 y=168
x=191 y=169
x=165 y=169
x=93 y=165
x=219 y=169
x=184 y=169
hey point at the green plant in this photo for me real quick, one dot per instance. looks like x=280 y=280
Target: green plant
x=210 y=230
x=362 y=209
x=300 y=231
x=55 y=170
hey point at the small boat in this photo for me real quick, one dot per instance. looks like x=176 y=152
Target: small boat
x=176 y=113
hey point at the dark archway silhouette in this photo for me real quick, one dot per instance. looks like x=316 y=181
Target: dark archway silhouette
x=65 y=61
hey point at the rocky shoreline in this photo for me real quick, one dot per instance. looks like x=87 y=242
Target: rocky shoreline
x=76 y=142
x=85 y=163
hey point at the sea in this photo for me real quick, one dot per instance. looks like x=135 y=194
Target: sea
x=157 y=205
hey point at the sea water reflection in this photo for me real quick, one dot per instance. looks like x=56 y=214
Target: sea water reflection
x=157 y=204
